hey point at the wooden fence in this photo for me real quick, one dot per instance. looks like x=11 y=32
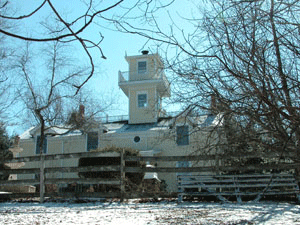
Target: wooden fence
x=122 y=169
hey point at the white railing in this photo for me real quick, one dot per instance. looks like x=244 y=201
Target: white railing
x=110 y=119
x=207 y=119
x=125 y=76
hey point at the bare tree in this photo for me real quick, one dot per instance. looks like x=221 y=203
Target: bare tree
x=249 y=61
x=73 y=29
x=47 y=92
x=6 y=53
x=246 y=55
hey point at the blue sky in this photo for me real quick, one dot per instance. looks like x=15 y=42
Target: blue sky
x=114 y=45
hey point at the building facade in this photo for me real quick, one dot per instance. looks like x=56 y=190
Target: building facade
x=148 y=128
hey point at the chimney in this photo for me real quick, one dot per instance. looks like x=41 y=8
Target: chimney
x=16 y=141
x=145 y=52
x=81 y=111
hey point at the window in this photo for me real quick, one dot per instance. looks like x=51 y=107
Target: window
x=182 y=135
x=142 y=67
x=142 y=100
x=92 y=141
x=37 y=147
x=136 y=139
x=183 y=164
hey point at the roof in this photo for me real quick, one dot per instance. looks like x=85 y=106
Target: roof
x=123 y=126
x=165 y=123
x=63 y=131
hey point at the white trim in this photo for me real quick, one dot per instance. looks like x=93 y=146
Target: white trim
x=151 y=152
x=129 y=107
x=138 y=82
x=86 y=141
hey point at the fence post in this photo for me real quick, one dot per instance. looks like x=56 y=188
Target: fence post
x=42 y=178
x=122 y=178
x=217 y=161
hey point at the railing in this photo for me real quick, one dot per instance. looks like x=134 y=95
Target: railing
x=159 y=76
x=111 y=119
x=129 y=75
x=123 y=77
x=118 y=118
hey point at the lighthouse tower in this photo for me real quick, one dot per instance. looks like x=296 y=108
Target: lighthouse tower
x=145 y=84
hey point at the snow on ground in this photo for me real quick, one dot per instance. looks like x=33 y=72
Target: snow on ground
x=135 y=213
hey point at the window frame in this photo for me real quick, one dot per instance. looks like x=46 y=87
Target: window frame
x=90 y=146
x=145 y=103
x=142 y=69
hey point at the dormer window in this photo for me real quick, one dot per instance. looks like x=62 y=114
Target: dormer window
x=142 y=67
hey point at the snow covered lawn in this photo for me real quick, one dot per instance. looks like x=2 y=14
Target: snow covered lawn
x=135 y=213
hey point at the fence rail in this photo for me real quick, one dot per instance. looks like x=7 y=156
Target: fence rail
x=140 y=158
x=122 y=169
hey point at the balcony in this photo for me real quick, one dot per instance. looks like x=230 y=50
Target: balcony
x=127 y=79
